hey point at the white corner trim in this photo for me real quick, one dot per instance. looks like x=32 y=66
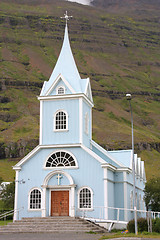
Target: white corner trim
x=80 y=120
x=105 y=175
x=106 y=153
x=15 y=217
x=125 y=194
x=94 y=155
x=41 y=123
x=131 y=160
x=60 y=77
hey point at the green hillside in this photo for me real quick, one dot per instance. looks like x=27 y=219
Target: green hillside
x=120 y=52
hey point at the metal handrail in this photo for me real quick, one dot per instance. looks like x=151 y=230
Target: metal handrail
x=6 y=214
x=86 y=214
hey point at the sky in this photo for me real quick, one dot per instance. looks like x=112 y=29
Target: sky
x=84 y=2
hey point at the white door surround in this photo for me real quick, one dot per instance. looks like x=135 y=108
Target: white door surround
x=70 y=187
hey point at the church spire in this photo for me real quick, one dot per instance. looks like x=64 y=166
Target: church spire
x=65 y=65
x=66 y=17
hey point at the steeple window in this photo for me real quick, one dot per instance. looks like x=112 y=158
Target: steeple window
x=86 y=123
x=61 y=121
x=60 y=90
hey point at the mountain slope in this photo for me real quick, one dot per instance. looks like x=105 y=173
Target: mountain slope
x=118 y=52
x=128 y=6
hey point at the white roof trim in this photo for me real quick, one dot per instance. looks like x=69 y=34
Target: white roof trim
x=60 y=76
x=44 y=84
x=23 y=160
x=88 y=86
x=93 y=154
x=106 y=153
x=36 y=149
x=65 y=96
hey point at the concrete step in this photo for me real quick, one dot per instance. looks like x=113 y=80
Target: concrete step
x=55 y=224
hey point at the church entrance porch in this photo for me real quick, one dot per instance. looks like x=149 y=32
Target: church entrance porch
x=59 y=203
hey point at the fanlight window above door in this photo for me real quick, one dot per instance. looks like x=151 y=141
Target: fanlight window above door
x=61 y=159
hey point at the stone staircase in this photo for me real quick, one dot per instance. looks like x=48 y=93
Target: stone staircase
x=51 y=224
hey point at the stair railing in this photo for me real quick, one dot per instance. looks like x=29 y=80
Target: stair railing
x=6 y=214
x=114 y=214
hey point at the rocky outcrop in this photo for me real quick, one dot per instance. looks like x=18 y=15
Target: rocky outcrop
x=22 y=147
x=17 y=149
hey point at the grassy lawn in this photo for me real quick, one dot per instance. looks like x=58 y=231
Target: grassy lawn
x=2 y=223
x=125 y=235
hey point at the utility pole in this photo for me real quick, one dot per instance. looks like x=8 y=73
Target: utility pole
x=129 y=97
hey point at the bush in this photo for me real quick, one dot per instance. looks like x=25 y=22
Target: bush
x=131 y=226
x=156 y=225
x=141 y=223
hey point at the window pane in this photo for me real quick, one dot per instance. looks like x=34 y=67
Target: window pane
x=85 y=198
x=35 y=199
x=60 y=159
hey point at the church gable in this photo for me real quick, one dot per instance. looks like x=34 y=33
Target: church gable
x=60 y=87
x=89 y=92
x=86 y=88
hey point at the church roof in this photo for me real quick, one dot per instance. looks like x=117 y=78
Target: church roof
x=66 y=67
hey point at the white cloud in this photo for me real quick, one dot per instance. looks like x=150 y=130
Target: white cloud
x=84 y=2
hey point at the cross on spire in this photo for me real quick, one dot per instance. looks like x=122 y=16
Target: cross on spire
x=66 y=17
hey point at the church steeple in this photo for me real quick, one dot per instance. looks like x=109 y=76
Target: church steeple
x=65 y=66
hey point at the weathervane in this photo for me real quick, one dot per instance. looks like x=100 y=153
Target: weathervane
x=66 y=17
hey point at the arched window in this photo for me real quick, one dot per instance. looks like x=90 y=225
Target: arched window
x=85 y=197
x=61 y=159
x=86 y=123
x=60 y=90
x=35 y=199
x=61 y=121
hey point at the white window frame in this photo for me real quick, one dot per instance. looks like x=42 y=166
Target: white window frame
x=78 y=193
x=54 y=127
x=58 y=88
x=86 y=123
x=29 y=197
x=62 y=167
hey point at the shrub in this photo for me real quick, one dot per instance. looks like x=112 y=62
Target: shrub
x=141 y=223
x=130 y=226
x=156 y=225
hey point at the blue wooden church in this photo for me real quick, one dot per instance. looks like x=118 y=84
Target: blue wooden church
x=68 y=174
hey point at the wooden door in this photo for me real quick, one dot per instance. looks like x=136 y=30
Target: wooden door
x=60 y=203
